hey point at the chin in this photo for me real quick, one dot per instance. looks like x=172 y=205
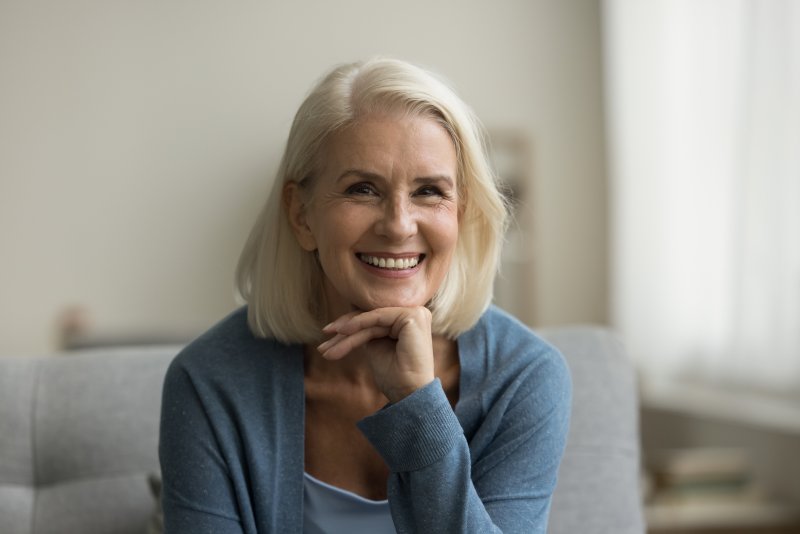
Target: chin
x=390 y=302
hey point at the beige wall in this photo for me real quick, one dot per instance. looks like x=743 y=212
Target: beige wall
x=137 y=140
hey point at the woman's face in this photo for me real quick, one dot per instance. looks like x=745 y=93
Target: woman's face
x=383 y=213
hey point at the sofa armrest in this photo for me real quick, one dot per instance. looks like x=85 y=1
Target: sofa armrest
x=598 y=484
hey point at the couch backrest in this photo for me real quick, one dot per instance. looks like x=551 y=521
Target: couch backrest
x=78 y=437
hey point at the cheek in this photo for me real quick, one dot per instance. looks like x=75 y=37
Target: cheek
x=338 y=229
x=444 y=228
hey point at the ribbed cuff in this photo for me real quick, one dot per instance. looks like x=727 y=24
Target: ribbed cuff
x=415 y=432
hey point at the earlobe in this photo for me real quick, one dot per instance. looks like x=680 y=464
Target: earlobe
x=295 y=206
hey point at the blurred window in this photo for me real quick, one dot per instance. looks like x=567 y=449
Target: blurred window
x=703 y=102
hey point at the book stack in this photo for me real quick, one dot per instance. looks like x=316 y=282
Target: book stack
x=701 y=476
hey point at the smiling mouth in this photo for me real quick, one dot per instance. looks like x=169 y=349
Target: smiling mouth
x=391 y=264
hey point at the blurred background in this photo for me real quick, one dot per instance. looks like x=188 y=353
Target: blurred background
x=653 y=149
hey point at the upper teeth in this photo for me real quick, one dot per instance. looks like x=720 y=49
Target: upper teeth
x=390 y=263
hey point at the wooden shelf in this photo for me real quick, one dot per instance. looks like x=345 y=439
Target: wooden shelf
x=720 y=516
x=775 y=412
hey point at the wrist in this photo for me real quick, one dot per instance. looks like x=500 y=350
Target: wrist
x=396 y=394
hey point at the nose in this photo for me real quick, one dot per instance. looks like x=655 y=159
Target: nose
x=397 y=221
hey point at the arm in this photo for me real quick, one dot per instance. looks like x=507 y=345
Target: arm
x=197 y=493
x=436 y=485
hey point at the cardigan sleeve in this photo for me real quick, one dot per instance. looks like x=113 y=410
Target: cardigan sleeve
x=197 y=493
x=437 y=486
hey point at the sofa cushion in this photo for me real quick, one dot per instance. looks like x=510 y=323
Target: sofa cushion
x=78 y=437
x=17 y=383
x=97 y=415
x=16 y=508
x=156 y=523
x=114 y=504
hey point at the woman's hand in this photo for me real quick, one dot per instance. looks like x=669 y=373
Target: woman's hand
x=399 y=345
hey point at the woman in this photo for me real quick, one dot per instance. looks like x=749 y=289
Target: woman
x=368 y=386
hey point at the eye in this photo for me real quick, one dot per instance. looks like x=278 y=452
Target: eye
x=429 y=191
x=361 y=188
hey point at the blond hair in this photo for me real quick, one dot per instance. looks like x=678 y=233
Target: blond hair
x=282 y=282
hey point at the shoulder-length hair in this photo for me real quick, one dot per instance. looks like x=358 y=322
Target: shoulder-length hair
x=282 y=283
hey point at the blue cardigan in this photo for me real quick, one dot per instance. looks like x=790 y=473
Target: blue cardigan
x=231 y=445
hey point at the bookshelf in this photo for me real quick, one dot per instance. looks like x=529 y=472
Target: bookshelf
x=511 y=156
x=756 y=466
x=760 y=409
x=722 y=517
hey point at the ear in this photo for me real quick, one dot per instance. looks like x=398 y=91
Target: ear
x=295 y=205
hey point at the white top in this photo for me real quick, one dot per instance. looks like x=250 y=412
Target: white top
x=331 y=510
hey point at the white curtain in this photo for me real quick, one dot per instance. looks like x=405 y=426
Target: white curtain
x=703 y=100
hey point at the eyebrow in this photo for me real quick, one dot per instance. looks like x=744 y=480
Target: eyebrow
x=436 y=178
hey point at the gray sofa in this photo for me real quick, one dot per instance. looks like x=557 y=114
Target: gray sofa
x=78 y=438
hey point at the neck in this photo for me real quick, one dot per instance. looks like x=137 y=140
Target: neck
x=353 y=369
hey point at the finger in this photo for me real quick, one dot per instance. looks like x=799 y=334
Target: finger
x=345 y=345
x=322 y=347
x=385 y=317
x=331 y=327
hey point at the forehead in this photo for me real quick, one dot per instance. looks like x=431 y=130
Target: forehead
x=391 y=144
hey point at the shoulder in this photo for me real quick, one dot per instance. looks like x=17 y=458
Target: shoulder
x=507 y=359
x=229 y=357
x=506 y=343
